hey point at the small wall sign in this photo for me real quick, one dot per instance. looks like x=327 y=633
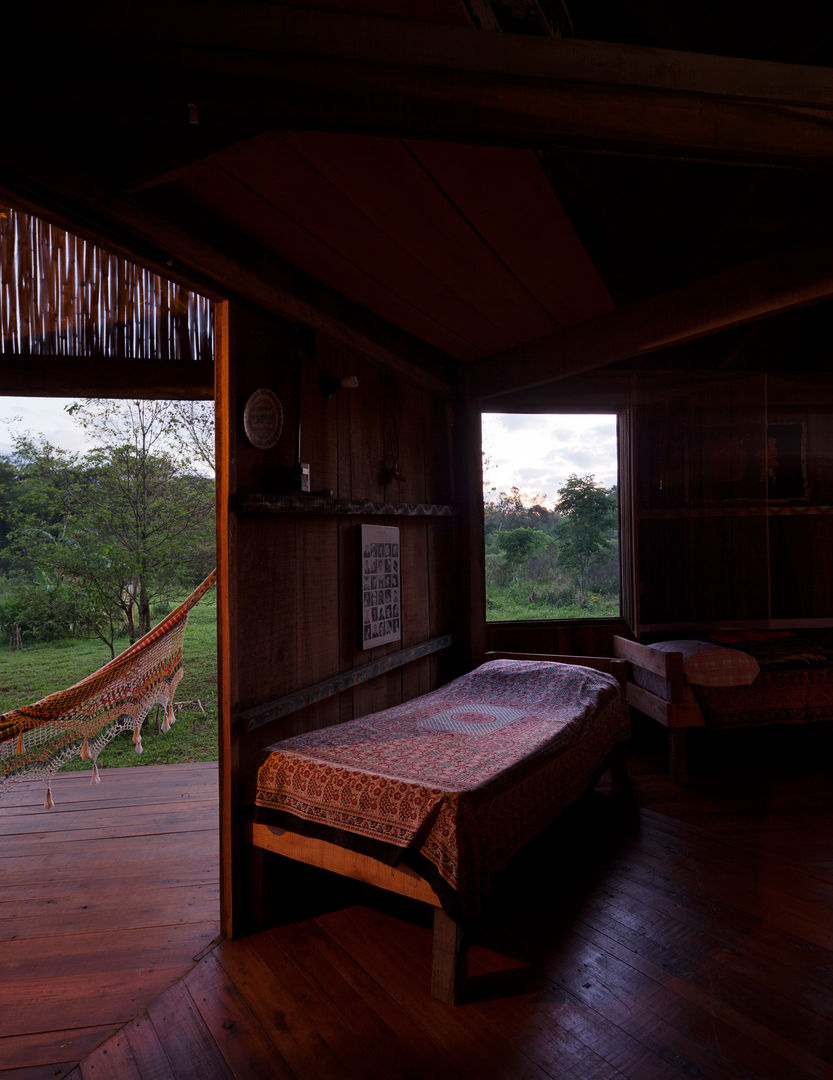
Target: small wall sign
x=380 y=563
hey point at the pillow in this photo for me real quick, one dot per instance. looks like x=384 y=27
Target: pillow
x=705 y=664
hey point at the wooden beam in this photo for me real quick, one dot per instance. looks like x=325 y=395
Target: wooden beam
x=400 y=879
x=259 y=33
x=123 y=226
x=33 y=375
x=739 y=295
x=284 y=67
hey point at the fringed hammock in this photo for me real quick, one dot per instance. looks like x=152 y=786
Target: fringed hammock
x=37 y=740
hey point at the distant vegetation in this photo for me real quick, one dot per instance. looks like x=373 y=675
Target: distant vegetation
x=553 y=564
x=96 y=544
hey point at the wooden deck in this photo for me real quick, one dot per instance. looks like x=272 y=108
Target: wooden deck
x=691 y=937
x=104 y=902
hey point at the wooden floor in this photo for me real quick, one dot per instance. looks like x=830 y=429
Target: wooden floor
x=104 y=902
x=689 y=937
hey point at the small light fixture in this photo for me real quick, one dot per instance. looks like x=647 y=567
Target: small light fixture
x=329 y=385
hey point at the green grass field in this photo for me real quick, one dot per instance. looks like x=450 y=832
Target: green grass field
x=511 y=605
x=30 y=674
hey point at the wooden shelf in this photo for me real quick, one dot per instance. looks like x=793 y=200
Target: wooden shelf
x=322 y=504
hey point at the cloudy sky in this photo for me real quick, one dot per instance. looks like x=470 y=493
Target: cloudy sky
x=40 y=416
x=538 y=453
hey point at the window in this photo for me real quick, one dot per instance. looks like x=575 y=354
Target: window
x=551 y=516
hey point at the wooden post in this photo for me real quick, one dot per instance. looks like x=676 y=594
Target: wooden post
x=470 y=554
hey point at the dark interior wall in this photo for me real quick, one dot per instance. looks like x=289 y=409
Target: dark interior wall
x=294 y=603
x=734 y=496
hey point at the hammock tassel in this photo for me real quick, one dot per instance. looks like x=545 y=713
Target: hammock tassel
x=49 y=802
x=138 y=746
x=167 y=723
x=137 y=736
x=85 y=750
x=96 y=778
x=19 y=748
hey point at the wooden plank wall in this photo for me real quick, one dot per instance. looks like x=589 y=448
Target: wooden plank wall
x=717 y=543
x=292 y=609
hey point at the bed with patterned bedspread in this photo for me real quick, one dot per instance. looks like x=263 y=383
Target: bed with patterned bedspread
x=794 y=684
x=453 y=783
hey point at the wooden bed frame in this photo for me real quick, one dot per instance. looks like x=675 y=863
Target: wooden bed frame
x=448 y=966
x=675 y=714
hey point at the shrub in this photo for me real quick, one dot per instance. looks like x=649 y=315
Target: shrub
x=47 y=612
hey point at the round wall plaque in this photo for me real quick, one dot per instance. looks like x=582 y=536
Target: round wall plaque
x=263 y=419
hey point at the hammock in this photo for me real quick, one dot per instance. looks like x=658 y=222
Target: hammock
x=37 y=740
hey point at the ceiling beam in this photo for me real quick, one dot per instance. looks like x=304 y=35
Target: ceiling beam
x=48 y=375
x=730 y=298
x=273 y=66
x=260 y=32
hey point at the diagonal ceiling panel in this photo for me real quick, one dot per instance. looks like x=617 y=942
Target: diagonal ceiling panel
x=240 y=204
x=466 y=247
x=507 y=197
x=388 y=185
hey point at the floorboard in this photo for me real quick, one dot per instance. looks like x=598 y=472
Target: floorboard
x=104 y=902
x=688 y=935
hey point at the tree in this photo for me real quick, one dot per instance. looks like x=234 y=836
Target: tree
x=150 y=500
x=523 y=543
x=55 y=588
x=505 y=512
x=129 y=519
x=587 y=526
x=510 y=512
x=192 y=429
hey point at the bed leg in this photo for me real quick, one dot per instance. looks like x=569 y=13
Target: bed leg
x=619 y=775
x=678 y=754
x=448 y=965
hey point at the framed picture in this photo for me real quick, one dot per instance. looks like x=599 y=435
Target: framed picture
x=380 y=567
x=743 y=465
x=786 y=462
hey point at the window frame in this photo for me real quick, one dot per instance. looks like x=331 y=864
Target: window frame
x=628 y=590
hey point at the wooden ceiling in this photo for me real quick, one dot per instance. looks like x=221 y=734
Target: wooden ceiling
x=466 y=247
x=531 y=188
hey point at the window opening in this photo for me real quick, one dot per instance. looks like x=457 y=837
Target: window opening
x=106 y=525
x=551 y=516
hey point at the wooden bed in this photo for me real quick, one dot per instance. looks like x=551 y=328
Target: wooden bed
x=729 y=678
x=430 y=797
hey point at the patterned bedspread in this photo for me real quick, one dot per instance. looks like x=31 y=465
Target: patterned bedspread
x=790 y=694
x=454 y=782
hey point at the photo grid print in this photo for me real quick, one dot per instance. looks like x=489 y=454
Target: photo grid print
x=380 y=585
